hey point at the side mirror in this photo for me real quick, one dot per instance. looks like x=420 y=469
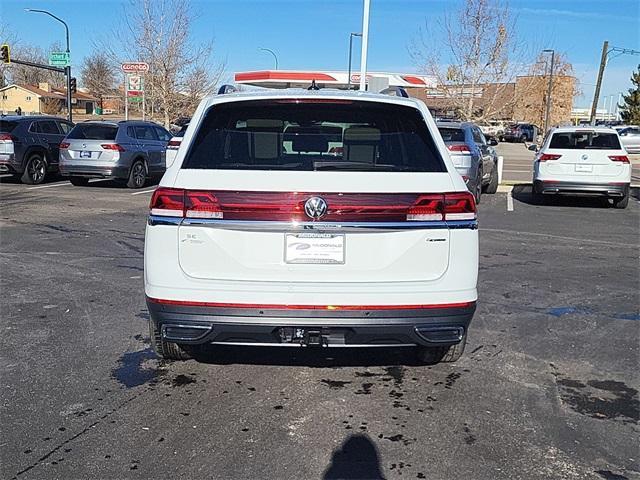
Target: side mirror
x=493 y=142
x=533 y=148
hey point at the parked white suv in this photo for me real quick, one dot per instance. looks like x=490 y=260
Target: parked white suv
x=327 y=218
x=582 y=161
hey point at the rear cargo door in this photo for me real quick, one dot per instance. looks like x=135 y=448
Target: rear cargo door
x=306 y=206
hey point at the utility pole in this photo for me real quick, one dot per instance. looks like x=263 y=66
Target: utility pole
x=365 y=46
x=596 y=94
x=548 y=110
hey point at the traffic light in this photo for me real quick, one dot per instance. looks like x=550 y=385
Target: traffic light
x=4 y=54
x=73 y=85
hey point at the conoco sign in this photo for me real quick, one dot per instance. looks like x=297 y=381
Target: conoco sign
x=134 y=67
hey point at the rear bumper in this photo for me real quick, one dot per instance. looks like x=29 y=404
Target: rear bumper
x=326 y=326
x=92 y=171
x=578 y=188
x=9 y=163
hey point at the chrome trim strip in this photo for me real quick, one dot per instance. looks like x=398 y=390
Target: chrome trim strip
x=273 y=226
x=160 y=220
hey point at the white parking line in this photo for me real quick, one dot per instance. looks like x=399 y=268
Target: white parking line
x=518 y=171
x=142 y=193
x=95 y=180
x=6 y=175
x=51 y=185
x=510 y=202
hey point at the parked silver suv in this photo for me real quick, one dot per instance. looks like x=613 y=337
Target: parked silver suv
x=127 y=150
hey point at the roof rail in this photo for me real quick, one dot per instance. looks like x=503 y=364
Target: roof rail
x=395 y=92
x=227 y=89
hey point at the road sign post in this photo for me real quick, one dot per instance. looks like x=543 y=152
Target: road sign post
x=133 y=84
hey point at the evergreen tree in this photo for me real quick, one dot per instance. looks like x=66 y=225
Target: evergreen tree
x=630 y=110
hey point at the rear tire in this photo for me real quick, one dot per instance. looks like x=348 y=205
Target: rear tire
x=164 y=349
x=523 y=139
x=35 y=171
x=79 y=181
x=137 y=175
x=621 y=203
x=433 y=355
x=493 y=181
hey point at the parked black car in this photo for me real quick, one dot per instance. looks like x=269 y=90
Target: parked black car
x=29 y=145
x=521 y=132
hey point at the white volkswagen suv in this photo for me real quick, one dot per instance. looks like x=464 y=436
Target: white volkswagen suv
x=582 y=161
x=311 y=218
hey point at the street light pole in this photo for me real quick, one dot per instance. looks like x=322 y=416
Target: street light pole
x=275 y=57
x=67 y=69
x=351 y=35
x=548 y=110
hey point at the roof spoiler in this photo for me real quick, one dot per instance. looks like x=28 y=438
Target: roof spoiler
x=395 y=92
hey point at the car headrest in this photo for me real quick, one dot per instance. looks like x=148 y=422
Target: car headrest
x=309 y=143
x=361 y=135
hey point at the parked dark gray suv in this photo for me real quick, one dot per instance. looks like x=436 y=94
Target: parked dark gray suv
x=127 y=150
x=29 y=145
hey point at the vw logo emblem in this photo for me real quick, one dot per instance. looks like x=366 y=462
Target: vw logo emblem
x=315 y=207
x=585 y=156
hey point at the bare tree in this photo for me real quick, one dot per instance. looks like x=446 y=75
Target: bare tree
x=532 y=90
x=480 y=48
x=158 y=32
x=98 y=75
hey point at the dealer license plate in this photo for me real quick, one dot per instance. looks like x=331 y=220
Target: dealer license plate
x=584 y=168
x=85 y=154
x=324 y=248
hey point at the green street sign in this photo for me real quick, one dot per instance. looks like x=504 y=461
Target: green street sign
x=135 y=99
x=59 y=59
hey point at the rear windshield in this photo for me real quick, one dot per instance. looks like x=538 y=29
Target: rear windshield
x=585 y=140
x=7 y=126
x=87 y=131
x=340 y=135
x=452 y=134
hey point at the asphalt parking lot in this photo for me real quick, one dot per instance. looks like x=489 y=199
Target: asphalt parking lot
x=547 y=388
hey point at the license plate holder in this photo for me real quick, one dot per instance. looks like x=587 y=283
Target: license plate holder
x=314 y=248
x=85 y=154
x=584 y=168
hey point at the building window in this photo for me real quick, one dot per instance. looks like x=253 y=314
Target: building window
x=4 y=97
x=28 y=99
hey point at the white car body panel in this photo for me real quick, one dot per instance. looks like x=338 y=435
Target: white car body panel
x=200 y=263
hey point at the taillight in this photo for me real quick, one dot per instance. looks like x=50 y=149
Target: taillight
x=64 y=145
x=201 y=205
x=426 y=208
x=448 y=206
x=168 y=202
x=112 y=146
x=548 y=156
x=174 y=144
x=459 y=206
x=6 y=137
x=459 y=148
x=290 y=206
x=619 y=158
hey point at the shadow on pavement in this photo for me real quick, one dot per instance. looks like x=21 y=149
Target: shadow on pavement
x=357 y=457
x=522 y=193
x=315 y=357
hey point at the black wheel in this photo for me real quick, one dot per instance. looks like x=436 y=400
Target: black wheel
x=164 y=349
x=433 y=355
x=537 y=197
x=621 y=202
x=523 y=139
x=36 y=169
x=492 y=187
x=477 y=188
x=137 y=175
x=79 y=181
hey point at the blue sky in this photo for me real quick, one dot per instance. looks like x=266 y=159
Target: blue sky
x=314 y=34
